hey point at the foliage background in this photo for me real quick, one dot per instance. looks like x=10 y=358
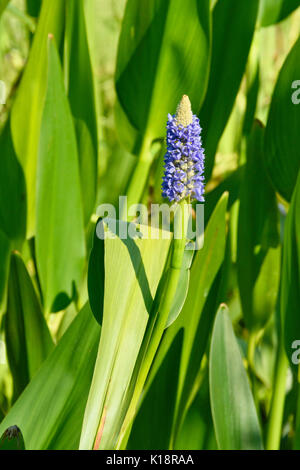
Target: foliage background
x=216 y=383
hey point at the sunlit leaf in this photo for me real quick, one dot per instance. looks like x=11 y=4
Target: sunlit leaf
x=233 y=410
x=60 y=245
x=133 y=267
x=50 y=410
x=28 y=106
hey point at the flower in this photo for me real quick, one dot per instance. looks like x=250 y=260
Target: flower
x=184 y=160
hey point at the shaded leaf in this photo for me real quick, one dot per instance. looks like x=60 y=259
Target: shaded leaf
x=273 y=11
x=12 y=439
x=28 y=340
x=12 y=192
x=281 y=156
x=258 y=256
x=290 y=278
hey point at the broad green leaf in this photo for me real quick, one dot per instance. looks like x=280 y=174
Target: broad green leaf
x=233 y=28
x=282 y=157
x=273 y=11
x=50 y=410
x=258 y=253
x=12 y=439
x=60 y=245
x=196 y=324
x=80 y=85
x=162 y=55
x=28 y=106
x=133 y=268
x=12 y=192
x=233 y=410
x=290 y=277
x=28 y=340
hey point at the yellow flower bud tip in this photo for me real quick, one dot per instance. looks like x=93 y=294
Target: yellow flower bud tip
x=184 y=115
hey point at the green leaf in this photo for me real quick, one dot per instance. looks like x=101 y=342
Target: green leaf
x=80 y=85
x=12 y=189
x=28 y=341
x=160 y=59
x=30 y=99
x=60 y=244
x=290 y=278
x=133 y=268
x=233 y=410
x=195 y=323
x=12 y=439
x=273 y=11
x=258 y=253
x=282 y=157
x=197 y=431
x=50 y=410
x=233 y=29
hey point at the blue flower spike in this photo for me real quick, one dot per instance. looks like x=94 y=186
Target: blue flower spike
x=184 y=161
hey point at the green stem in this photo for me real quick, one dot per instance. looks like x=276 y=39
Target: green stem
x=277 y=405
x=158 y=322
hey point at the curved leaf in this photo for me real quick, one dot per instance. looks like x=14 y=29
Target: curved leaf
x=60 y=243
x=233 y=410
x=28 y=340
x=50 y=410
x=28 y=106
